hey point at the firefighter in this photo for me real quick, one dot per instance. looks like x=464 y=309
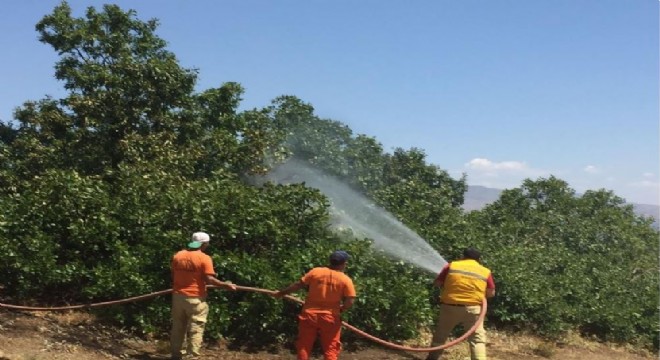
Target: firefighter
x=464 y=285
x=330 y=292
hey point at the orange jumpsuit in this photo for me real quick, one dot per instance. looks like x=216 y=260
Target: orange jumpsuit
x=321 y=313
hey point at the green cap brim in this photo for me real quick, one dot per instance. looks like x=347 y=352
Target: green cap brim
x=194 y=245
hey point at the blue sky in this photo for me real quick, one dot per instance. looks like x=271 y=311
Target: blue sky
x=499 y=90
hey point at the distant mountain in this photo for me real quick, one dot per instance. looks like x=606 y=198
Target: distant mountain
x=477 y=197
x=648 y=210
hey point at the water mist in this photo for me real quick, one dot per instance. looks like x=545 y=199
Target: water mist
x=351 y=210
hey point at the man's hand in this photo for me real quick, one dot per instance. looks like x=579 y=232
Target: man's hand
x=490 y=293
x=230 y=286
x=212 y=280
x=347 y=304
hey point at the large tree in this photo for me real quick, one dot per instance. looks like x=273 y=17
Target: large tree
x=564 y=261
x=121 y=80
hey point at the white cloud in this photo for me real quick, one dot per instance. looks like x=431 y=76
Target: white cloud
x=648 y=175
x=487 y=165
x=501 y=175
x=591 y=169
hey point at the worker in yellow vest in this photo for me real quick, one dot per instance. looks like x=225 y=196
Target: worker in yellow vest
x=464 y=285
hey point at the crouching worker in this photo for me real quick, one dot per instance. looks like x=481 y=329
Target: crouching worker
x=330 y=292
x=464 y=284
x=192 y=270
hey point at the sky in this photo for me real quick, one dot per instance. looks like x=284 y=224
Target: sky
x=498 y=90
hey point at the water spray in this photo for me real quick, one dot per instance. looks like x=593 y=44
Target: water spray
x=351 y=210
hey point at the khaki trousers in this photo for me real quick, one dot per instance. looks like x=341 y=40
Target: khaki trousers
x=448 y=318
x=189 y=316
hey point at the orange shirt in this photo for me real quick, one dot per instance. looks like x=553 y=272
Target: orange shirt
x=327 y=288
x=189 y=269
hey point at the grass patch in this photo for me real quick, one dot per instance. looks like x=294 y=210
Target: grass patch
x=545 y=349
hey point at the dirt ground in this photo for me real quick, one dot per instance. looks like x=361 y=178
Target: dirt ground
x=76 y=336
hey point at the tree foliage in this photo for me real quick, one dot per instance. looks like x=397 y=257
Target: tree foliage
x=565 y=262
x=99 y=189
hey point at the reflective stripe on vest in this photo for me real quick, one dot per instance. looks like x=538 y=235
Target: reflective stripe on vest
x=465 y=283
x=468 y=273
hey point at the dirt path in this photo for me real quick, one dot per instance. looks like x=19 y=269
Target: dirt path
x=76 y=336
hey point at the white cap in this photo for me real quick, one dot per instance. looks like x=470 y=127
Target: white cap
x=198 y=239
x=201 y=237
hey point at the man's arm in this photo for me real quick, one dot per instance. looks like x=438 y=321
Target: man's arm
x=212 y=280
x=289 y=289
x=490 y=286
x=347 y=303
x=209 y=275
x=440 y=279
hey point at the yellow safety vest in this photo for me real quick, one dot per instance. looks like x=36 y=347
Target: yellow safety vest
x=465 y=283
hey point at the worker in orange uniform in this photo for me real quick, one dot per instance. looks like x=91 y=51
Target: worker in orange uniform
x=192 y=270
x=464 y=284
x=330 y=292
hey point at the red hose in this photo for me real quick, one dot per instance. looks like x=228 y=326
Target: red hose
x=87 y=306
x=484 y=307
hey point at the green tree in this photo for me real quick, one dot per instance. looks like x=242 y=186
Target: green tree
x=566 y=262
x=317 y=141
x=121 y=80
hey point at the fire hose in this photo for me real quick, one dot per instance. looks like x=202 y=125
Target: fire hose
x=484 y=307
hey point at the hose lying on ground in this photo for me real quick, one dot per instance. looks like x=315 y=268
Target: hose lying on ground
x=484 y=307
